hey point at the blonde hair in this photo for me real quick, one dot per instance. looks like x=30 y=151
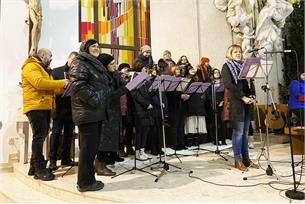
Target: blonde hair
x=230 y=50
x=167 y=52
x=172 y=69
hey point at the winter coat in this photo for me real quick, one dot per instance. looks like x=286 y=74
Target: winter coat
x=235 y=93
x=142 y=98
x=38 y=86
x=90 y=85
x=63 y=110
x=141 y=62
x=111 y=127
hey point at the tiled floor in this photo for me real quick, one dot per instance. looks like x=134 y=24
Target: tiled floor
x=210 y=172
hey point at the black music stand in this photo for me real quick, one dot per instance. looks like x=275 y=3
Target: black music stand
x=137 y=82
x=252 y=68
x=201 y=87
x=164 y=83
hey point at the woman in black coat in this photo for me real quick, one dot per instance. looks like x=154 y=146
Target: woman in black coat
x=241 y=95
x=90 y=90
x=109 y=143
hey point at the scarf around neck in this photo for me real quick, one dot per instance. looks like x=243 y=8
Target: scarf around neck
x=234 y=67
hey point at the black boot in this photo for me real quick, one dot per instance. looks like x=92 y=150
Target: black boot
x=189 y=140
x=195 y=140
x=41 y=172
x=116 y=157
x=31 y=170
x=52 y=165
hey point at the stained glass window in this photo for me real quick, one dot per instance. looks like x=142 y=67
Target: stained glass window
x=122 y=26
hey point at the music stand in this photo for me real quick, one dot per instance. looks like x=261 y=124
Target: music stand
x=135 y=83
x=253 y=68
x=164 y=83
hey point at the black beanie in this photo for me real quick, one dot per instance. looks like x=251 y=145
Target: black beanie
x=105 y=59
x=123 y=65
x=86 y=44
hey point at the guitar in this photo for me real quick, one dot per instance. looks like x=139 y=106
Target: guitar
x=274 y=118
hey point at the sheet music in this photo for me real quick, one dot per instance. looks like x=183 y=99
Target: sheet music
x=249 y=68
x=198 y=87
x=171 y=82
x=137 y=81
x=183 y=84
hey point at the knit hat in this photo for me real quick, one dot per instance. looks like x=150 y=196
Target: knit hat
x=86 y=44
x=203 y=60
x=105 y=59
x=123 y=65
x=145 y=48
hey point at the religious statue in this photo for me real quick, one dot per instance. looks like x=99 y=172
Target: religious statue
x=271 y=20
x=35 y=17
x=241 y=18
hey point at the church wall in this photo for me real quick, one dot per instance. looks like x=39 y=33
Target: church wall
x=191 y=27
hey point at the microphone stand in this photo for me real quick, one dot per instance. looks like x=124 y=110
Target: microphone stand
x=266 y=154
x=294 y=194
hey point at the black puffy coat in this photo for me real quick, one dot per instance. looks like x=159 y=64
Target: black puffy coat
x=90 y=89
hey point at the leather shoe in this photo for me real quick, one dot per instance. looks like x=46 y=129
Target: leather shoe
x=52 y=166
x=31 y=171
x=97 y=185
x=44 y=175
x=250 y=164
x=102 y=170
x=239 y=165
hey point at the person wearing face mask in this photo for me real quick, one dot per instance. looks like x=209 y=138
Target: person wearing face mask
x=62 y=120
x=91 y=88
x=241 y=94
x=144 y=60
x=166 y=62
x=109 y=143
x=39 y=91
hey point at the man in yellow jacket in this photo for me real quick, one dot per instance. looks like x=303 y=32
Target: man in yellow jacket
x=38 y=99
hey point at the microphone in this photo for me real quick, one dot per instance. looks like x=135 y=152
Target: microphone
x=280 y=51
x=255 y=49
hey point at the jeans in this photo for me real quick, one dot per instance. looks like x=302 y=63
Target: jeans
x=90 y=134
x=240 y=137
x=40 y=122
x=58 y=125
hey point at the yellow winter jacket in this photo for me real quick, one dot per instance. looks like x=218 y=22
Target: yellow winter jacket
x=38 y=86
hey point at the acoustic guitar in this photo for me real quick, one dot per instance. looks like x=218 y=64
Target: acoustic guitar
x=274 y=118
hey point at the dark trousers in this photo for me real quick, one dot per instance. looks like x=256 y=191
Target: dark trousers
x=57 y=127
x=90 y=134
x=40 y=122
x=142 y=135
x=299 y=116
x=155 y=137
x=126 y=133
x=176 y=119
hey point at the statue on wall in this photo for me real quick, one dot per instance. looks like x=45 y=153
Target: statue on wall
x=34 y=17
x=240 y=16
x=271 y=20
x=256 y=22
